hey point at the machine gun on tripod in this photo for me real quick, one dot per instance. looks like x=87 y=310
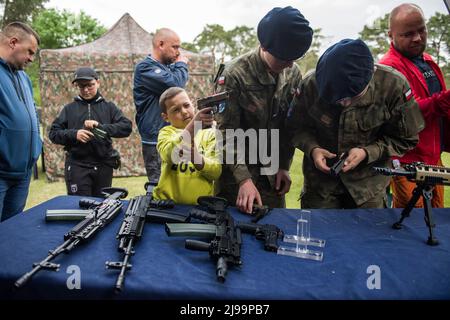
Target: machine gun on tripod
x=100 y=214
x=426 y=178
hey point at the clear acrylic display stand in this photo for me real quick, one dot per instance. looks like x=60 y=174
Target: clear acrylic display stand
x=302 y=240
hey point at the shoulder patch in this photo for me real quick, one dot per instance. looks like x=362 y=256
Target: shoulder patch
x=222 y=107
x=158 y=70
x=221 y=80
x=408 y=94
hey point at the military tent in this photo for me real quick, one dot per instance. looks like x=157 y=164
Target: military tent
x=114 y=56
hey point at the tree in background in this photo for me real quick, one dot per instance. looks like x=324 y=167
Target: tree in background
x=226 y=45
x=439 y=41
x=221 y=44
x=376 y=37
x=61 y=29
x=18 y=10
x=309 y=61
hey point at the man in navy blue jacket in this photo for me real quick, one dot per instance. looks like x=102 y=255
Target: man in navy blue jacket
x=166 y=67
x=20 y=143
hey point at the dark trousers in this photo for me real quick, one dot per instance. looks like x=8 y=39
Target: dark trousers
x=311 y=200
x=152 y=162
x=86 y=179
x=13 y=196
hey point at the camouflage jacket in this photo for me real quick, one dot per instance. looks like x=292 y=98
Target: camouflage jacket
x=257 y=101
x=385 y=122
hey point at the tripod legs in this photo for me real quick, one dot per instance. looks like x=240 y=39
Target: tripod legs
x=427 y=196
x=426 y=191
x=417 y=192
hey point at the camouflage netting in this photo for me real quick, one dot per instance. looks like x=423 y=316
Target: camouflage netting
x=114 y=56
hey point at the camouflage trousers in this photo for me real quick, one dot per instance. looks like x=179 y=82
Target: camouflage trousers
x=313 y=200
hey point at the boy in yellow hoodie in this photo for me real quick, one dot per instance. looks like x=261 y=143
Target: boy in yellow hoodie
x=189 y=161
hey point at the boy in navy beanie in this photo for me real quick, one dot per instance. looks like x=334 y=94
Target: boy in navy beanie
x=350 y=108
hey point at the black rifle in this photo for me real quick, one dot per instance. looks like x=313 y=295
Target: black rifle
x=101 y=213
x=225 y=246
x=140 y=210
x=426 y=178
x=259 y=212
x=268 y=233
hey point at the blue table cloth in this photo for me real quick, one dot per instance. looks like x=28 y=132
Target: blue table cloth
x=364 y=258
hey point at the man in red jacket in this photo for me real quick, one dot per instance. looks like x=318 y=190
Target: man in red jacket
x=408 y=33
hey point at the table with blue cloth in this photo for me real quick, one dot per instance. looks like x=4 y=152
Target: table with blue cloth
x=364 y=258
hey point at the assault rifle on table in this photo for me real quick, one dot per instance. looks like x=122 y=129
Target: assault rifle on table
x=140 y=210
x=219 y=221
x=426 y=178
x=100 y=214
x=225 y=246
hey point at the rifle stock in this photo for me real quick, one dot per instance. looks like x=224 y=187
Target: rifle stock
x=98 y=217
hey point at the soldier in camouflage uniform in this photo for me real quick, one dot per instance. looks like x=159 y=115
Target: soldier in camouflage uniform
x=261 y=85
x=351 y=105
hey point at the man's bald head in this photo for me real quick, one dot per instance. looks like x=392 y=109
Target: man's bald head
x=166 y=46
x=164 y=34
x=407 y=30
x=398 y=14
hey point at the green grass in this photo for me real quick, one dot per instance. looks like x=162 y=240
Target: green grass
x=41 y=190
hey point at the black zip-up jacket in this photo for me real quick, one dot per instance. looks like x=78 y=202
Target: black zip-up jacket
x=110 y=118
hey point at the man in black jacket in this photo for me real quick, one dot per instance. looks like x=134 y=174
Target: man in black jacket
x=85 y=128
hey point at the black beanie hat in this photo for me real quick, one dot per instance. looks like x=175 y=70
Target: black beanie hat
x=344 y=70
x=285 y=33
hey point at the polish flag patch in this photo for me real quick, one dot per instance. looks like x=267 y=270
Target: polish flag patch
x=221 y=80
x=408 y=95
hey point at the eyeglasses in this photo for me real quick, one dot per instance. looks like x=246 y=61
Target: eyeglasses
x=87 y=85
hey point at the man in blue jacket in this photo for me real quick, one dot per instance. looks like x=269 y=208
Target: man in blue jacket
x=166 y=67
x=20 y=143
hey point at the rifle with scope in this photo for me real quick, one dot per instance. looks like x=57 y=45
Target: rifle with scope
x=426 y=178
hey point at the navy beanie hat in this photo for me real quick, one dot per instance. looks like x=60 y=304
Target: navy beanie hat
x=285 y=33
x=344 y=70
